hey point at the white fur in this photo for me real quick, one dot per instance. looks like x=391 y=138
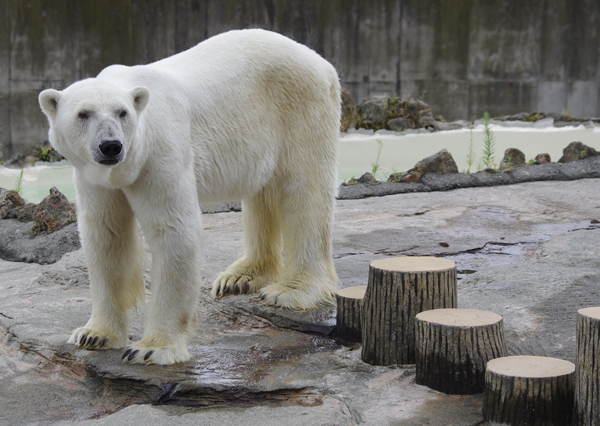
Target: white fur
x=247 y=115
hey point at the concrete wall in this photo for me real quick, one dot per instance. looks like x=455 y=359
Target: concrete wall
x=463 y=57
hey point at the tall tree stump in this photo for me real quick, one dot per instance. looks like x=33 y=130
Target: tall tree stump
x=529 y=390
x=587 y=391
x=399 y=288
x=453 y=347
x=349 y=304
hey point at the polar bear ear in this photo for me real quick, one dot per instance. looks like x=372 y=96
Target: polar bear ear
x=48 y=100
x=141 y=96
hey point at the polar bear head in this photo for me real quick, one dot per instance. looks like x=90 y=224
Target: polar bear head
x=93 y=123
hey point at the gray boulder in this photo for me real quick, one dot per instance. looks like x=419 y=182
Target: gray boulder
x=542 y=158
x=577 y=151
x=439 y=163
x=349 y=113
x=52 y=213
x=9 y=200
x=400 y=124
x=512 y=158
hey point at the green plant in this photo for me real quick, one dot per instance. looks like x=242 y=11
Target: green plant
x=375 y=165
x=489 y=143
x=532 y=161
x=44 y=153
x=19 y=183
x=471 y=153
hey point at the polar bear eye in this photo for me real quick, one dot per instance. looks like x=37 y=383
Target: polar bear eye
x=84 y=115
x=123 y=114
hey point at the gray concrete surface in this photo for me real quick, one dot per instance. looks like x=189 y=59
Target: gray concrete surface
x=528 y=252
x=461 y=57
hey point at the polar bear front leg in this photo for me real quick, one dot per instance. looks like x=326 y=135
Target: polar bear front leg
x=172 y=229
x=261 y=263
x=115 y=258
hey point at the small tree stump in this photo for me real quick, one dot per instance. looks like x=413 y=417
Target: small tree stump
x=349 y=304
x=587 y=391
x=399 y=288
x=453 y=347
x=529 y=390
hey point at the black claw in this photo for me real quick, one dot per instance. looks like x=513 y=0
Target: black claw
x=148 y=355
x=82 y=340
x=236 y=289
x=132 y=355
x=263 y=296
x=88 y=340
x=95 y=340
x=127 y=352
x=103 y=342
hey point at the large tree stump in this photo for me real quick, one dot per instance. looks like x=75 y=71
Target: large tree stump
x=453 y=347
x=529 y=390
x=399 y=288
x=587 y=391
x=349 y=304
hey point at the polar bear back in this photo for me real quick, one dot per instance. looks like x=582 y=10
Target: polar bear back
x=251 y=104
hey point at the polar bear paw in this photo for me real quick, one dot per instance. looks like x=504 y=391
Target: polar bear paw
x=92 y=339
x=292 y=296
x=230 y=282
x=141 y=353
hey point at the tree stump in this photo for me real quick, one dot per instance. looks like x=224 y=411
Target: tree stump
x=529 y=390
x=399 y=288
x=453 y=347
x=349 y=305
x=587 y=391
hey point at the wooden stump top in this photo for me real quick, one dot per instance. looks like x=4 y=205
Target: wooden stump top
x=460 y=317
x=356 y=292
x=530 y=366
x=593 y=312
x=413 y=264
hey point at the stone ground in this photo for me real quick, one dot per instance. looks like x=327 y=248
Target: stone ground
x=529 y=252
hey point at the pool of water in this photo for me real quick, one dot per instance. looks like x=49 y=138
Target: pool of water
x=358 y=152
x=399 y=152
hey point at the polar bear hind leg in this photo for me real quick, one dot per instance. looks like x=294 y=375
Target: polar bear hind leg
x=309 y=279
x=261 y=263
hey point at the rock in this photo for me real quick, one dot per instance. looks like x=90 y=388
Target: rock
x=542 y=158
x=416 y=108
x=9 y=200
x=23 y=213
x=517 y=117
x=443 y=125
x=1 y=155
x=46 y=153
x=576 y=151
x=426 y=120
x=439 y=163
x=349 y=114
x=400 y=124
x=512 y=158
x=562 y=123
x=367 y=178
x=372 y=113
x=53 y=213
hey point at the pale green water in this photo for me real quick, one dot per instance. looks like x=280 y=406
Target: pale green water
x=358 y=152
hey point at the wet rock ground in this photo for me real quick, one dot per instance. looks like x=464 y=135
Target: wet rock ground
x=528 y=252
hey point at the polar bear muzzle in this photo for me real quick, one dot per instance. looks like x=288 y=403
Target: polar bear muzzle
x=111 y=152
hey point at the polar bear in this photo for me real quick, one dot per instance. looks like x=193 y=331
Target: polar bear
x=246 y=115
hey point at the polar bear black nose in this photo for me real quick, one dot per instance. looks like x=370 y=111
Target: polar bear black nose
x=111 y=148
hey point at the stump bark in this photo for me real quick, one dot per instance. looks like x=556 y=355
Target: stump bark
x=349 y=304
x=587 y=391
x=529 y=390
x=453 y=347
x=399 y=288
